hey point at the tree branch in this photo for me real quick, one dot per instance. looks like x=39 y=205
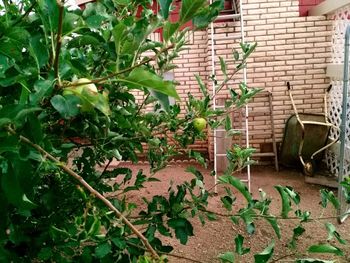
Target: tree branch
x=103 y=79
x=90 y=189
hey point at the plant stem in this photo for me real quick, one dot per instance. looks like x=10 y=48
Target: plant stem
x=90 y=189
x=274 y=217
x=226 y=81
x=142 y=104
x=58 y=39
x=107 y=165
x=25 y=14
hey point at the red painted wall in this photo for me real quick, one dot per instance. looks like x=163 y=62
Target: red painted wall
x=305 y=5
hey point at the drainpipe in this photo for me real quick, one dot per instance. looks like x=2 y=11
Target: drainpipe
x=341 y=219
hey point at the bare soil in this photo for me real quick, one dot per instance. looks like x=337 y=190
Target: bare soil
x=218 y=236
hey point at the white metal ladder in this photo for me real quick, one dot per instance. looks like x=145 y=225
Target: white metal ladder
x=234 y=17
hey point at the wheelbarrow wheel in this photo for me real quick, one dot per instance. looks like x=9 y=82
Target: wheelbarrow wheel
x=309 y=168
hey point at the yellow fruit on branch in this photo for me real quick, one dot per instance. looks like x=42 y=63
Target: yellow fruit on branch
x=199 y=124
x=78 y=89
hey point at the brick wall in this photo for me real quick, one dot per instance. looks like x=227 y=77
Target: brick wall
x=290 y=48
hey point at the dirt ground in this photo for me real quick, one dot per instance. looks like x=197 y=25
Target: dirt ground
x=218 y=236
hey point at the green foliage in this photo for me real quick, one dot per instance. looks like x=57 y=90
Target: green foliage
x=52 y=126
x=265 y=255
x=325 y=249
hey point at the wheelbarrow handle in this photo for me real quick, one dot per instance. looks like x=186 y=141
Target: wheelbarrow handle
x=329 y=88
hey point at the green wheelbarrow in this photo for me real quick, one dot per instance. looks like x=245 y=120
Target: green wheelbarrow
x=306 y=137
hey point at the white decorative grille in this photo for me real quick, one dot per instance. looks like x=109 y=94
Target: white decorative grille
x=341 y=20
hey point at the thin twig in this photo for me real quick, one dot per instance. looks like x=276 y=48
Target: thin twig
x=25 y=14
x=90 y=189
x=142 y=104
x=106 y=167
x=227 y=80
x=58 y=39
x=273 y=217
x=282 y=257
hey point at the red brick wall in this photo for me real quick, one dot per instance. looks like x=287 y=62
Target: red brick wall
x=305 y=5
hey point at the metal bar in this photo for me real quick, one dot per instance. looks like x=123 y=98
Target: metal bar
x=245 y=81
x=317 y=123
x=341 y=219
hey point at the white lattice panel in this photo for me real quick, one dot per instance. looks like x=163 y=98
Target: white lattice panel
x=341 y=21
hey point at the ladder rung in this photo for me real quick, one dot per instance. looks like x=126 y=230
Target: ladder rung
x=220 y=155
x=227 y=38
x=263 y=154
x=230 y=16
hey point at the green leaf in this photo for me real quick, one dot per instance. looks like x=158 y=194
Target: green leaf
x=183 y=229
x=42 y=88
x=223 y=66
x=198 y=157
x=67 y=106
x=103 y=250
x=162 y=98
x=326 y=196
x=122 y=2
x=273 y=222
x=325 y=248
x=332 y=232
x=240 y=250
x=228 y=257
x=247 y=216
x=208 y=14
x=94 y=228
x=286 y=206
x=95 y=21
x=235 y=55
x=189 y=8
x=119 y=35
x=10 y=144
x=297 y=232
x=227 y=202
x=266 y=254
x=202 y=86
x=142 y=78
x=165 y=7
x=292 y=194
x=228 y=124
x=39 y=51
x=80 y=41
x=13 y=190
x=45 y=253
x=11 y=48
x=238 y=184
x=195 y=172
x=169 y=29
